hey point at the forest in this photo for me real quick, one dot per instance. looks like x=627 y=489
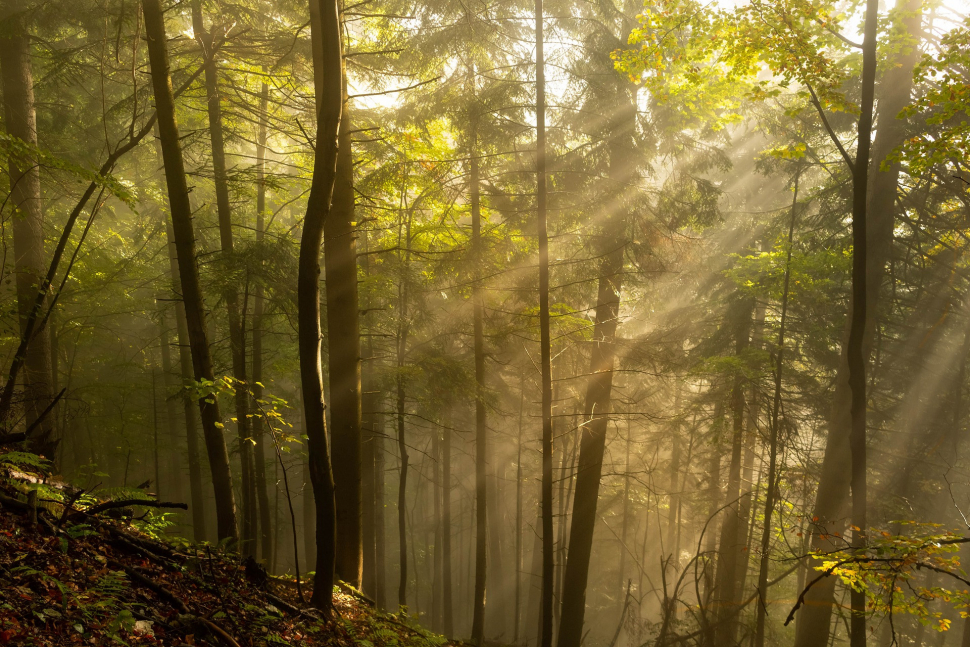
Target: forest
x=594 y=323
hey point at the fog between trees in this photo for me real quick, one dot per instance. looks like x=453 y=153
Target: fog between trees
x=555 y=322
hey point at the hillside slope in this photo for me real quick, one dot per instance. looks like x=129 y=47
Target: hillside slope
x=70 y=575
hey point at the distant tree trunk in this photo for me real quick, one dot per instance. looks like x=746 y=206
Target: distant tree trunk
x=856 y=357
x=596 y=412
x=30 y=266
x=814 y=619
x=447 y=610
x=759 y=634
x=438 y=531
x=237 y=339
x=196 y=493
x=372 y=470
x=343 y=339
x=673 y=497
x=325 y=33
x=402 y=343
x=368 y=476
x=518 y=514
x=259 y=448
x=184 y=237
x=625 y=522
x=545 y=342
x=714 y=503
x=380 y=536
x=733 y=535
x=481 y=440
x=174 y=445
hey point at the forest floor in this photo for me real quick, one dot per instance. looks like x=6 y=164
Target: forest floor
x=72 y=578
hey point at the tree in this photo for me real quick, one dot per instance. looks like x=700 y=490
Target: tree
x=325 y=28
x=343 y=339
x=28 y=225
x=181 y=211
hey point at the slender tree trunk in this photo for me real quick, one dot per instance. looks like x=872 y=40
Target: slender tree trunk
x=446 y=590
x=625 y=522
x=545 y=342
x=343 y=339
x=481 y=440
x=733 y=535
x=436 y=580
x=402 y=342
x=759 y=635
x=498 y=611
x=174 y=445
x=368 y=478
x=673 y=483
x=237 y=340
x=184 y=238
x=814 y=621
x=372 y=470
x=196 y=507
x=30 y=266
x=325 y=33
x=856 y=357
x=596 y=413
x=259 y=448
x=380 y=537
x=518 y=515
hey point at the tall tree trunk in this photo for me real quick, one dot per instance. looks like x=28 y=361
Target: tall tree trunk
x=325 y=34
x=196 y=494
x=673 y=496
x=174 y=445
x=30 y=267
x=545 y=343
x=596 y=414
x=184 y=237
x=372 y=470
x=447 y=613
x=259 y=447
x=481 y=440
x=759 y=634
x=856 y=357
x=814 y=621
x=368 y=477
x=402 y=343
x=343 y=339
x=237 y=339
x=518 y=514
x=731 y=544
x=436 y=579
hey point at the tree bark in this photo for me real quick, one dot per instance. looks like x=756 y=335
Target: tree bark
x=733 y=535
x=184 y=237
x=325 y=33
x=596 y=414
x=402 y=343
x=30 y=267
x=259 y=447
x=481 y=440
x=343 y=339
x=446 y=590
x=237 y=339
x=372 y=471
x=545 y=342
x=199 y=532
x=814 y=619
x=759 y=635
